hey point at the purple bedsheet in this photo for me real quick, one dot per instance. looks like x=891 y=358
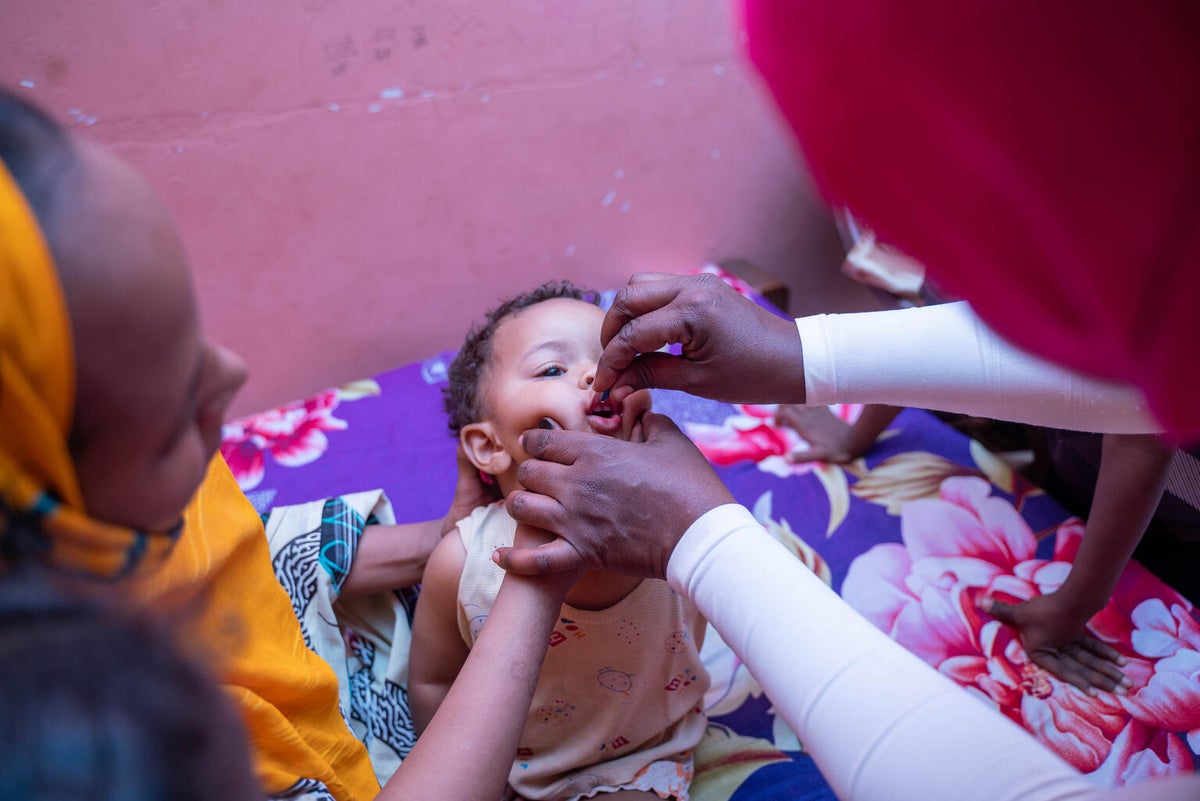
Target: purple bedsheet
x=911 y=536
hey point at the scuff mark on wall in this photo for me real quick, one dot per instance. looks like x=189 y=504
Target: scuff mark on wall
x=424 y=189
x=78 y=116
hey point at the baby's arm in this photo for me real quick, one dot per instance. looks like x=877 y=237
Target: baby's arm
x=438 y=651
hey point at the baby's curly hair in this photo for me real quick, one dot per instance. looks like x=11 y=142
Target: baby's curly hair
x=464 y=397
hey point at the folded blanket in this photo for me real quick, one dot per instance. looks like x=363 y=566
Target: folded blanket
x=365 y=639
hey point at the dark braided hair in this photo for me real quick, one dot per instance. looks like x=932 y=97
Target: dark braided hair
x=464 y=396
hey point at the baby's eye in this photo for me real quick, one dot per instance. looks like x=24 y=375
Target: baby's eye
x=553 y=371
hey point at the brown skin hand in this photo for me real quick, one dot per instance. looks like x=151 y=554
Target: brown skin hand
x=732 y=349
x=606 y=499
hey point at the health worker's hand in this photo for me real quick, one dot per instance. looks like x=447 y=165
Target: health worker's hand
x=732 y=349
x=615 y=505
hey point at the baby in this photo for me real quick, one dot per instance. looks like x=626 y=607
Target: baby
x=618 y=706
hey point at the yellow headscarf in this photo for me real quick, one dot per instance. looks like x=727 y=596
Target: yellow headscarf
x=219 y=569
x=37 y=396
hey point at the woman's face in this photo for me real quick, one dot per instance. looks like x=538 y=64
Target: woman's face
x=151 y=392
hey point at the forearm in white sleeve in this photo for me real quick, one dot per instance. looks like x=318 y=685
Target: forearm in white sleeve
x=945 y=358
x=879 y=723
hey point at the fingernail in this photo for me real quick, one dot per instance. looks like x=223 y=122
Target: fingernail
x=604 y=395
x=1121 y=690
x=1126 y=681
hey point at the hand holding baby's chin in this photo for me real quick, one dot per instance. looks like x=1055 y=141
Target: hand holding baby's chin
x=619 y=506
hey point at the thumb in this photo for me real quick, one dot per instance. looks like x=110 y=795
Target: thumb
x=658 y=426
x=1004 y=612
x=658 y=370
x=648 y=371
x=651 y=275
x=814 y=454
x=553 y=557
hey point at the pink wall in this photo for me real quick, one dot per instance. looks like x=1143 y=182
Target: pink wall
x=357 y=180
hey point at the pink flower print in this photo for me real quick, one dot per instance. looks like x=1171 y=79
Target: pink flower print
x=967 y=522
x=294 y=435
x=965 y=544
x=1142 y=752
x=1169 y=693
x=752 y=435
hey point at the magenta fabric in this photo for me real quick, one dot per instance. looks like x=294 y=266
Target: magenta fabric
x=1040 y=158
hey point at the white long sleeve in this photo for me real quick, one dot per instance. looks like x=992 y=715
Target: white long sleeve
x=879 y=723
x=944 y=358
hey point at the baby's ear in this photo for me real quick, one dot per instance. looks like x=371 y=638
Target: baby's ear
x=484 y=448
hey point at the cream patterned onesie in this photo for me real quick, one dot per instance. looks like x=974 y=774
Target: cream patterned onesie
x=618 y=704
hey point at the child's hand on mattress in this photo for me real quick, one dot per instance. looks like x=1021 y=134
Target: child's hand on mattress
x=830 y=438
x=1055 y=639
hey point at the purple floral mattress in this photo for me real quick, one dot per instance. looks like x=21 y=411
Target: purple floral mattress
x=910 y=536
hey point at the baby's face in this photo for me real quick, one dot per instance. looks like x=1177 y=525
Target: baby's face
x=543 y=364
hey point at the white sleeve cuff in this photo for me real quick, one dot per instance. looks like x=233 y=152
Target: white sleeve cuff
x=701 y=539
x=944 y=358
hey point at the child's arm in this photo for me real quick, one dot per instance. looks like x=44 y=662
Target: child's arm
x=467 y=750
x=1133 y=472
x=438 y=651
x=834 y=440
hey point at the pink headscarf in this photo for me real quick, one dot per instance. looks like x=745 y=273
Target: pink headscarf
x=1041 y=159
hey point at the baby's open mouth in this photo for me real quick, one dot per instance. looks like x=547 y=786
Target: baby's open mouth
x=604 y=416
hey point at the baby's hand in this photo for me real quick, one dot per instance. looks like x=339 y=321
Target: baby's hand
x=829 y=439
x=1056 y=641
